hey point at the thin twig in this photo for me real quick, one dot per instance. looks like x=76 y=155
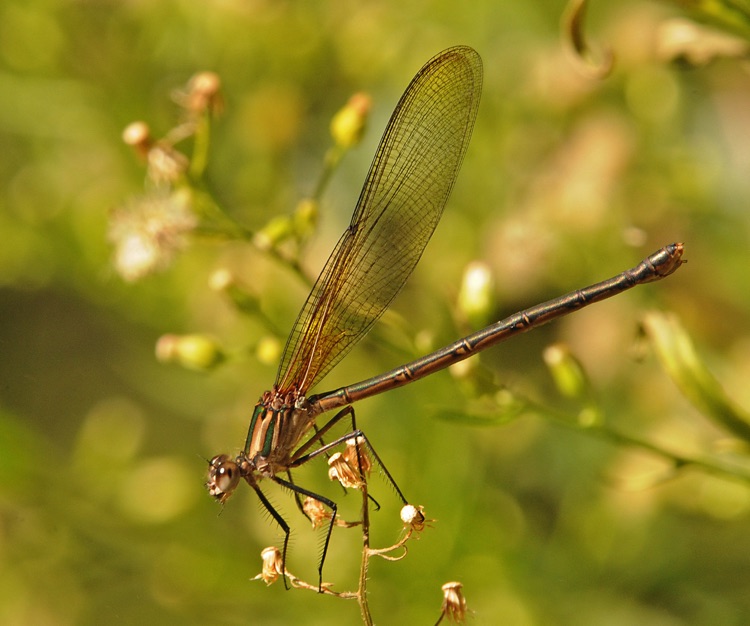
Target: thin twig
x=362 y=589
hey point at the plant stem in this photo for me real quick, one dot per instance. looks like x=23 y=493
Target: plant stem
x=362 y=590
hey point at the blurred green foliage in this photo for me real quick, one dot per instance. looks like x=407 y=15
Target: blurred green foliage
x=103 y=517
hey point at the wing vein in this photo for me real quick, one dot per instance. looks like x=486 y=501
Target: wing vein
x=401 y=202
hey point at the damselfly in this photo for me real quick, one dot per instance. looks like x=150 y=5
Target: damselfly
x=399 y=207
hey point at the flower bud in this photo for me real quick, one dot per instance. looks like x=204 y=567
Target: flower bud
x=475 y=299
x=348 y=125
x=274 y=232
x=225 y=282
x=567 y=372
x=268 y=350
x=196 y=352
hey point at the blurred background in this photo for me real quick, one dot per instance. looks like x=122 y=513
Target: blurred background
x=544 y=508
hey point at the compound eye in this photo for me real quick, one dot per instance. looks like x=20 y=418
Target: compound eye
x=223 y=477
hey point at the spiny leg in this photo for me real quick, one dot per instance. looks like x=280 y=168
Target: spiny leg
x=297 y=498
x=334 y=511
x=318 y=436
x=280 y=521
x=301 y=456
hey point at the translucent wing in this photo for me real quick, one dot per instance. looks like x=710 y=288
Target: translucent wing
x=399 y=207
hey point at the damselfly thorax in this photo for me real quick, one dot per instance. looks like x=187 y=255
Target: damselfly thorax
x=279 y=422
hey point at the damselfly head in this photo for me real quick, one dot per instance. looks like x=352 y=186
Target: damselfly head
x=223 y=476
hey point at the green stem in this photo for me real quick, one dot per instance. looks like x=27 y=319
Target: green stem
x=201 y=141
x=605 y=433
x=330 y=163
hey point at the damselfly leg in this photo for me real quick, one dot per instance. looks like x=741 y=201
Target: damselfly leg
x=350 y=470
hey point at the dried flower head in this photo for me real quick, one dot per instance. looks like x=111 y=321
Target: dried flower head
x=149 y=232
x=273 y=565
x=350 y=466
x=454 y=603
x=316 y=511
x=356 y=454
x=138 y=135
x=165 y=164
x=203 y=93
x=413 y=517
x=340 y=470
